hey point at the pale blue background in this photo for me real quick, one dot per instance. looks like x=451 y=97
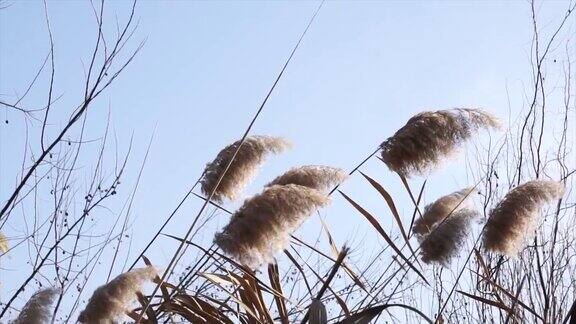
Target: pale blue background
x=363 y=69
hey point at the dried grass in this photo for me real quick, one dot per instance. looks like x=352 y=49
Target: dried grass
x=261 y=227
x=243 y=168
x=111 y=300
x=440 y=209
x=445 y=240
x=419 y=146
x=317 y=177
x=514 y=218
x=38 y=308
x=3 y=243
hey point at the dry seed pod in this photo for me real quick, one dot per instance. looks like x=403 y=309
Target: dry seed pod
x=243 y=168
x=430 y=136
x=513 y=219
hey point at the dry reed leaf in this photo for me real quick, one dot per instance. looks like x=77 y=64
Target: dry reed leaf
x=111 y=300
x=382 y=232
x=514 y=218
x=262 y=226
x=440 y=209
x=428 y=137
x=445 y=240
x=38 y=308
x=274 y=277
x=243 y=168
x=317 y=177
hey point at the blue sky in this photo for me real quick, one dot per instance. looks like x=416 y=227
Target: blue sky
x=362 y=70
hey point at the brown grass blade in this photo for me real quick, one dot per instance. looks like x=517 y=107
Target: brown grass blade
x=197 y=310
x=326 y=284
x=299 y=267
x=135 y=316
x=339 y=300
x=274 y=276
x=219 y=281
x=149 y=312
x=487 y=301
x=256 y=293
x=158 y=280
x=392 y=207
x=368 y=314
x=571 y=314
x=336 y=252
x=407 y=186
x=510 y=295
x=416 y=209
x=221 y=304
x=380 y=230
x=390 y=203
x=189 y=315
x=232 y=262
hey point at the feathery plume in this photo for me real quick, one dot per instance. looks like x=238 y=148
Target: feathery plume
x=38 y=308
x=243 y=168
x=440 y=209
x=445 y=240
x=3 y=243
x=111 y=300
x=426 y=138
x=514 y=217
x=261 y=227
x=317 y=177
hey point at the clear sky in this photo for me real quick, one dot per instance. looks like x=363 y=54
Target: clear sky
x=362 y=70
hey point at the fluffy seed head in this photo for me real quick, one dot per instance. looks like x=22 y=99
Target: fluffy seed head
x=445 y=240
x=515 y=216
x=38 y=308
x=262 y=226
x=3 y=243
x=317 y=177
x=440 y=209
x=429 y=136
x=243 y=168
x=111 y=300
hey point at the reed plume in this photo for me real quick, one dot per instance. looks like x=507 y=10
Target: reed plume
x=38 y=308
x=243 y=168
x=440 y=209
x=429 y=136
x=262 y=225
x=445 y=240
x=317 y=177
x=515 y=216
x=3 y=243
x=111 y=300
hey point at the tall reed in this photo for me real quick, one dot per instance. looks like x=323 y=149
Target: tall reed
x=513 y=219
x=430 y=136
x=261 y=227
x=445 y=240
x=440 y=209
x=38 y=309
x=243 y=168
x=317 y=177
x=111 y=300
